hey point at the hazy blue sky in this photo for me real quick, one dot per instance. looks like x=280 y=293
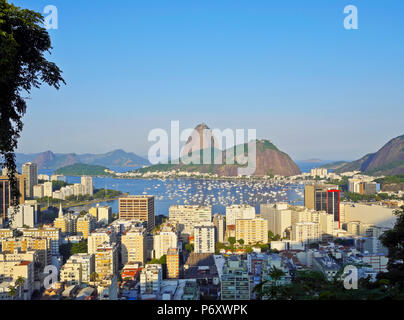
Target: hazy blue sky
x=286 y=68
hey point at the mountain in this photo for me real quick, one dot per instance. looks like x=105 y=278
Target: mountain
x=116 y=158
x=269 y=159
x=201 y=138
x=389 y=160
x=312 y=161
x=50 y=160
x=334 y=165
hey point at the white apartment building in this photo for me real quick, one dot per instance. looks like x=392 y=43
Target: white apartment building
x=319 y=172
x=163 y=241
x=87 y=183
x=38 y=191
x=105 y=215
x=326 y=223
x=234 y=212
x=279 y=217
x=187 y=216
x=78 y=269
x=47 y=189
x=151 y=278
x=11 y=270
x=25 y=216
x=98 y=237
x=30 y=171
x=204 y=238
x=305 y=232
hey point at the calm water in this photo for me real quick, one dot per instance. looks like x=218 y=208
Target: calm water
x=217 y=193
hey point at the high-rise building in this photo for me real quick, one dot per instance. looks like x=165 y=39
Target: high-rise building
x=252 y=231
x=24 y=216
x=188 y=216
x=78 y=269
x=151 y=278
x=326 y=223
x=38 y=191
x=164 y=240
x=137 y=208
x=53 y=234
x=41 y=246
x=235 y=282
x=98 y=237
x=48 y=189
x=278 y=216
x=85 y=225
x=133 y=246
x=242 y=211
x=30 y=171
x=106 y=260
x=6 y=196
x=14 y=269
x=220 y=225
x=87 y=183
x=204 y=238
x=305 y=232
x=173 y=263
x=319 y=172
x=323 y=198
x=105 y=215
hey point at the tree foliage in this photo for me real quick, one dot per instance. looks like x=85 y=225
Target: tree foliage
x=393 y=240
x=23 y=43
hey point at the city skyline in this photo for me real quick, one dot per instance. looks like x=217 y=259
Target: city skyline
x=290 y=74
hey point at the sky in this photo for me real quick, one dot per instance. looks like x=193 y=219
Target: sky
x=288 y=69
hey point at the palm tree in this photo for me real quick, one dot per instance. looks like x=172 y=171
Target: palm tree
x=20 y=283
x=275 y=275
x=12 y=292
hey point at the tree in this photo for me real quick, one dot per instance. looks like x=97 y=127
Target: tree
x=93 y=276
x=273 y=289
x=393 y=239
x=19 y=283
x=23 y=43
x=83 y=213
x=12 y=292
x=232 y=241
x=79 y=247
x=240 y=241
x=189 y=247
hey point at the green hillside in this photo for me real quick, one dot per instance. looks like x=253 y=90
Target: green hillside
x=81 y=169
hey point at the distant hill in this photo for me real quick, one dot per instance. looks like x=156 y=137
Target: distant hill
x=389 y=160
x=334 y=165
x=50 y=160
x=312 y=161
x=116 y=158
x=81 y=169
x=270 y=160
